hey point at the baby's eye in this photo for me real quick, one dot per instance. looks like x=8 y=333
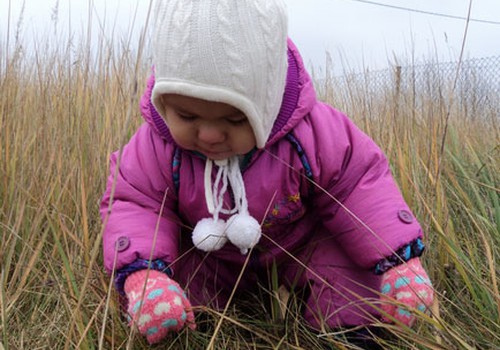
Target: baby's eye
x=187 y=117
x=237 y=120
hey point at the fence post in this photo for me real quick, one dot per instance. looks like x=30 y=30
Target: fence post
x=397 y=92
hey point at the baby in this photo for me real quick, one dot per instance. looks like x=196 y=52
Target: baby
x=239 y=162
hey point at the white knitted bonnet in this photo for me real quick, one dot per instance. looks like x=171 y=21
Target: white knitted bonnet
x=230 y=51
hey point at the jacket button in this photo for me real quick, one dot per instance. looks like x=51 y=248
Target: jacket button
x=405 y=216
x=122 y=243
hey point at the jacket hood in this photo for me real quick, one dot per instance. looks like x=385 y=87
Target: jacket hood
x=298 y=100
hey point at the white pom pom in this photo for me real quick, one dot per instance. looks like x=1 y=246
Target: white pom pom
x=243 y=231
x=209 y=235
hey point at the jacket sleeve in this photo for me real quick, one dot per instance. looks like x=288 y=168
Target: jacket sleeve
x=361 y=203
x=138 y=206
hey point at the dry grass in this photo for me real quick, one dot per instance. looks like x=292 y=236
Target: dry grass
x=63 y=110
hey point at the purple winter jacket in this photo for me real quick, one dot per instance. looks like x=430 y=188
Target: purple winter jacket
x=354 y=196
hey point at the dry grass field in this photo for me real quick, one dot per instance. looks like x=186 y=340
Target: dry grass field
x=64 y=108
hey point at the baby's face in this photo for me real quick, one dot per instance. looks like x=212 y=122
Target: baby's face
x=215 y=129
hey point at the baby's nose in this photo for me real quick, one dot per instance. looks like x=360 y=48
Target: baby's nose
x=211 y=134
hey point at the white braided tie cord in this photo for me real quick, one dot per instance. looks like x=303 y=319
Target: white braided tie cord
x=238 y=186
x=241 y=229
x=228 y=172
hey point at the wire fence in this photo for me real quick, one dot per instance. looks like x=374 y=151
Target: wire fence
x=473 y=83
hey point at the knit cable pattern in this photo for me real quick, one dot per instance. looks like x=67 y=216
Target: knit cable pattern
x=230 y=46
x=276 y=52
x=180 y=29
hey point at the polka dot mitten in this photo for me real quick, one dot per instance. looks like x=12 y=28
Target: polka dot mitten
x=162 y=308
x=405 y=287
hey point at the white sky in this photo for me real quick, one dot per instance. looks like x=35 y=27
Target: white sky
x=356 y=33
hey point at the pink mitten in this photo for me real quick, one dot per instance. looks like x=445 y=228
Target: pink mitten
x=406 y=284
x=162 y=308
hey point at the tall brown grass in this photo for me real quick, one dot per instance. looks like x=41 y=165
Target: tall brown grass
x=64 y=107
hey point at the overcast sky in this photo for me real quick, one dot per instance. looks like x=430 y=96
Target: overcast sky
x=358 y=32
